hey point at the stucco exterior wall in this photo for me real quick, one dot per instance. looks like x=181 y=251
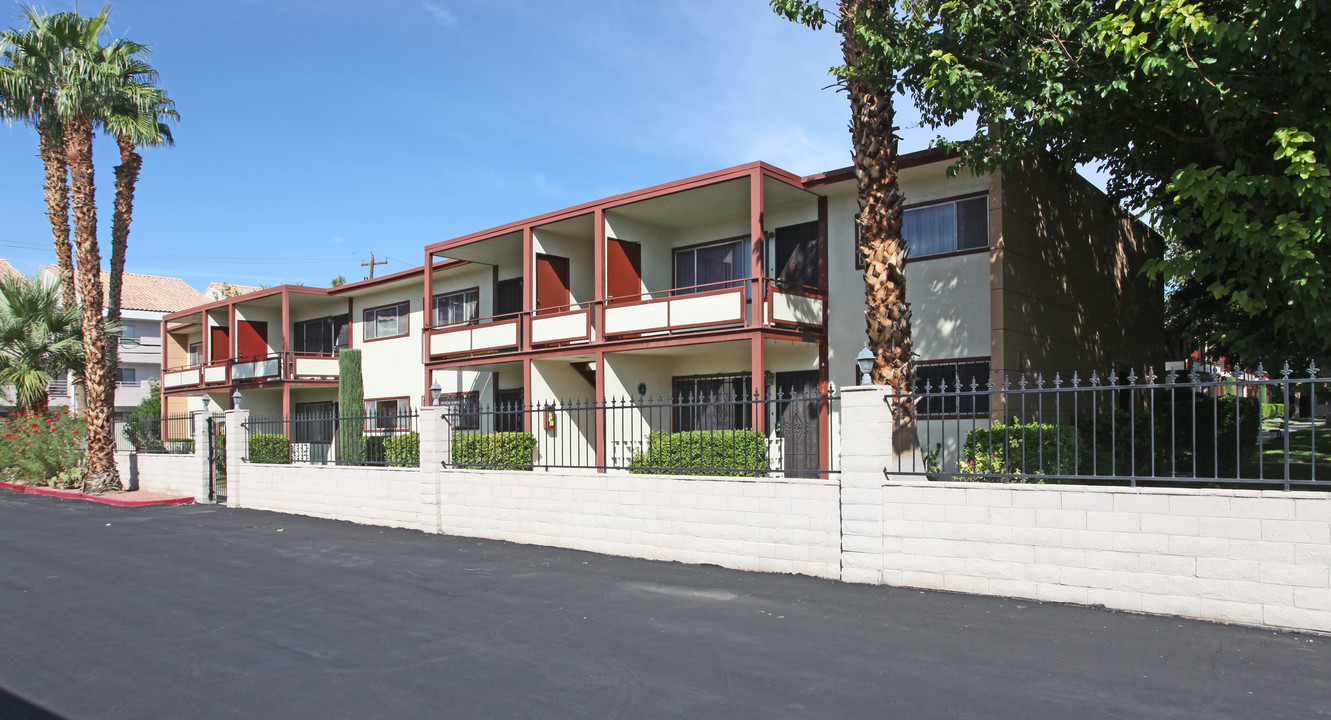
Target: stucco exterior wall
x=1068 y=291
x=391 y=367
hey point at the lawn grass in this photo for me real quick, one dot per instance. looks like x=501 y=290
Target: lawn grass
x=1307 y=452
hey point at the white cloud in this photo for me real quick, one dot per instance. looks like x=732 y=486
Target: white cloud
x=338 y=240
x=441 y=15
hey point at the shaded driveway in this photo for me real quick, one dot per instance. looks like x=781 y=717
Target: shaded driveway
x=203 y=612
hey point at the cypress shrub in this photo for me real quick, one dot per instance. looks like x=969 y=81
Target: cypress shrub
x=351 y=402
x=1273 y=411
x=269 y=448
x=509 y=450
x=704 y=452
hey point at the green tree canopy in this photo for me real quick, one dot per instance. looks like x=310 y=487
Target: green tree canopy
x=1210 y=117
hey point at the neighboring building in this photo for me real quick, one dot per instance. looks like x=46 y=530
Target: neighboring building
x=740 y=280
x=144 y=300
x=221 y=291
x=7 y=271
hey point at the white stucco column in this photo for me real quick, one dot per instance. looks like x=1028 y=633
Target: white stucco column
x=436 y=441
x=237 y=444
x=202 y=457
x=866 y=448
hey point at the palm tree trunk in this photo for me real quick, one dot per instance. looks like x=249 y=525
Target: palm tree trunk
x=52 y=151
x=874 y=143
x=102 y=474
x=127 y=176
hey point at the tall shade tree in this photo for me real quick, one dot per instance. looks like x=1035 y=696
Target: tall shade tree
x=1211 y=117
x=869 y=81
x=40 y=339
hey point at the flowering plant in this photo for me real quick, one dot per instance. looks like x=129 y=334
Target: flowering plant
x=36 y=448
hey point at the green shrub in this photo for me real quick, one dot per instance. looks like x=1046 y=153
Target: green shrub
x=1120 y=443
x=1019 y=449
x=1273 y=411
x=36 y=448
x=510 y=450
x=704 y=452
x=269 y=448
x=396 y=450
x=1228 y=420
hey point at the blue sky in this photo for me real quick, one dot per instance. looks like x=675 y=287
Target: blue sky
x=316 y=131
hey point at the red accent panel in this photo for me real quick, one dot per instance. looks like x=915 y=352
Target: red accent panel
x=219 y=344
x=624 y=262
x=251 y=338
x=551 y=282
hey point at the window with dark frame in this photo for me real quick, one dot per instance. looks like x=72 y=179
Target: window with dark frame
x=931 y=379
x=718 y=402
x=125 y=376
x=321 y=335
x=711 y=267
x=387 y=414
x=463 y=409
x=946 y=227
x=195 y=353
x=456 y=308
x=385 y=322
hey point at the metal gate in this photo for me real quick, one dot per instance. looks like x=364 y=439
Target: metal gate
x=217 y=459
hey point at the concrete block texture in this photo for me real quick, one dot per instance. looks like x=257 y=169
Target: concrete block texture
x=1232 y=555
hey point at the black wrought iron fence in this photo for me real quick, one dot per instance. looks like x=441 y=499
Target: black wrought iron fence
x=169 y=434
x=786 y=435
x=1231 y=429
x=383 y=439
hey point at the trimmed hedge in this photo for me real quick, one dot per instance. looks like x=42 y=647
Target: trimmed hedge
x=1273 y=411
x=704 y=452
x=395 y=450
x=269 y=448
x=509 y=450
x=1020 y=449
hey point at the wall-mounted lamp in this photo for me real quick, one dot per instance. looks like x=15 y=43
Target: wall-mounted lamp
x=642 y=389
x=434 y=393
x=865 y=362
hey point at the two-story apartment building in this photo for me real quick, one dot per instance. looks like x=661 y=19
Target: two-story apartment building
x=742 y=281
x=144 y=300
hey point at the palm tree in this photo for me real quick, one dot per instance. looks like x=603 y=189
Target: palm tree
x=40 y=338
x=32 y=60
x=136 y=118
x=79 y=85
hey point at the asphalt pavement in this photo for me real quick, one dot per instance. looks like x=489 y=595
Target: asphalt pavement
x=204 y=612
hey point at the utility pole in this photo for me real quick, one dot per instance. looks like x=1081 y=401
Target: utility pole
x=372 y=263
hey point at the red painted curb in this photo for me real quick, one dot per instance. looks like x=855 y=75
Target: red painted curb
x=76 y=495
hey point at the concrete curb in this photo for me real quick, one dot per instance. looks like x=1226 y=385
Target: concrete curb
x=76 y=495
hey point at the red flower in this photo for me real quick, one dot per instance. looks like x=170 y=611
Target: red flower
x=34 y=424
x=76 y=432
x=10 y=436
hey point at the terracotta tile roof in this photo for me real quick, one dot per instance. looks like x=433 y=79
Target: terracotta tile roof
x=153 y=293
x=6 y=269
x=156 y=293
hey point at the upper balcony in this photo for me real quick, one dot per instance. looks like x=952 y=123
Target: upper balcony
x=741 y=249
x=277 y=335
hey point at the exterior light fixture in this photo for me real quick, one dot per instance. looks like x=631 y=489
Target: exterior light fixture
x=434 y=393
x=206 y=401
x=642 y=389
x=235 y=400
x=865 y=362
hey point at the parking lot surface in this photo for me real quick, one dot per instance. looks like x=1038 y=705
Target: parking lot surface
x=205 y=612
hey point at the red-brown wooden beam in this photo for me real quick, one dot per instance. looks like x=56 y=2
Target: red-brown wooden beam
x=601 y=281
x=824 y=372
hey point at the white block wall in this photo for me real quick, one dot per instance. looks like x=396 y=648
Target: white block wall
x=788 y=526
x=167 y=473
x=1231 y=555
x=369 y=495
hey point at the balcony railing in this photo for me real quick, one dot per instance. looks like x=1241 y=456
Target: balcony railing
x=254 y=368
x=702 y=307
